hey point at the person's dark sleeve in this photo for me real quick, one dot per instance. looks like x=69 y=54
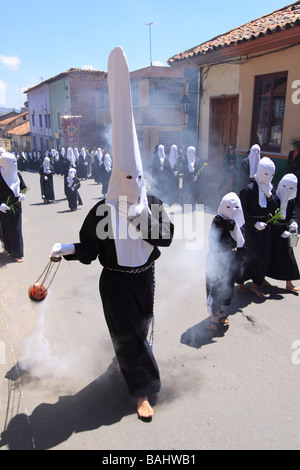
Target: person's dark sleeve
x=156 y=226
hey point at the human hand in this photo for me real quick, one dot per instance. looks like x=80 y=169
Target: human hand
x=4 y=208
x=60 y=249
x=260 y=226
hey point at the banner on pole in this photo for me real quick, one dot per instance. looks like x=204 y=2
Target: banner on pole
x=71 y=128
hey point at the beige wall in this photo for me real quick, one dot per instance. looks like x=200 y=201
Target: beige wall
x=221 y=80
x=287 y=60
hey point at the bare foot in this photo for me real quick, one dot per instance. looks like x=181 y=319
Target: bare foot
x=19 y=260
x=266 y=283
x=256 y=291
x=290 y=286
x=144 y=409
x=4 y=252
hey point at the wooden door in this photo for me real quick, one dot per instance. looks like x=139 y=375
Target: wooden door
x=223 y=126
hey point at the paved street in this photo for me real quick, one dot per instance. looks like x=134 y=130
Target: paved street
x=59 y=385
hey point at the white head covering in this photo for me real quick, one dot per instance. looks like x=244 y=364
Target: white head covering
x=287 y=190
x=99 y=154
x=191 y=156
x=9 y=171
x=71 y=175
x=161 y=154
x=46 y=164
x=83 y=152
x=63 y=151
x=71 y=156
x=127 y=173
x=107 y=162
x=173 y=155
x=254 y=158
x=230 y=208
x=76 y=153
x=263 y=177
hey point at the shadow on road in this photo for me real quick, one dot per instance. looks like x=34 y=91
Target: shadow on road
x=200 y=334
x=103 y=402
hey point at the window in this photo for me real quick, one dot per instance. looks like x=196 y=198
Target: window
x=134 y=92
x=102 y=98
x=164 y=92
x=268 y=111
x=32 y=118
x=40 y=119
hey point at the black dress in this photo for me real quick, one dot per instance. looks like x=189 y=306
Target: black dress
x=11 y=221
x=73 y=195
x=46 y=182
x=221 y=263
x=258 y=244
x=283 y=265
x=127 y=293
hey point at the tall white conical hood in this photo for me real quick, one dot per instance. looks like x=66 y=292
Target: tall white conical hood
x=9 y=171
x=127 y=180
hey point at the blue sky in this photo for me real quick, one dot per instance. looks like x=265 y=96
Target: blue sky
x=42 y=39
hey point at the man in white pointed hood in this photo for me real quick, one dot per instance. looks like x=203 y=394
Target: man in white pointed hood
x=11 y=196
x=124 y=233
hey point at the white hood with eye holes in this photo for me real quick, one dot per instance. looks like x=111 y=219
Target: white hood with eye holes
x=127 y=180
x=9 y=172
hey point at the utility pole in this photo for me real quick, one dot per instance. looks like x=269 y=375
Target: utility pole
x=149 y=24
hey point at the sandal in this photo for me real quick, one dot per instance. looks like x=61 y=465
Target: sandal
x=223 y=318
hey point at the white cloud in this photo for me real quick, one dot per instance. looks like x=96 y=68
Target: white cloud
x=3 y=87
x=12 y=63
x=88 y=67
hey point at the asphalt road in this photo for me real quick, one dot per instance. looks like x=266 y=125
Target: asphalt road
x=59 y=387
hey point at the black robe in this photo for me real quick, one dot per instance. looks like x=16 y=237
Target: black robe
x=127 y=293
x=73 y=195
x=221 y=263
x=46 y=182
x=283 y=265
x=258 y=244
x=11 y=222
x=244 y=172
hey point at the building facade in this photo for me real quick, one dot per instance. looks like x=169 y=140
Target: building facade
x=249 y=87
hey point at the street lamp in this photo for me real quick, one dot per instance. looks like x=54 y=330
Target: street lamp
x=185 y=104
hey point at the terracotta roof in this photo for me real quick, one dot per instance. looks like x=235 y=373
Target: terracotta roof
x=280 y=20
x=7 y=121
x=23 y=129
x=67 y=73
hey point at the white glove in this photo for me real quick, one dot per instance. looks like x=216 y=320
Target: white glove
x=22 y=198
x=294 y=226
x=45 y=178
x=134 y=210
x=285 y=234
x=60 y=249
x=260 y=226
x=4 y=208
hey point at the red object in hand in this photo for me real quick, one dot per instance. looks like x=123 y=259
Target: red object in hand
x=37 y=292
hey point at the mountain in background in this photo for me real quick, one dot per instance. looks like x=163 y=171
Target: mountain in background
x=8 y=110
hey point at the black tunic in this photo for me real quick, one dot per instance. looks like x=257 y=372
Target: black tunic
x=127 y=293
x=73 y=195
x=46 y=182
x=258 y=244
x=283 y=265
x=221 y=263
x=11 y=222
